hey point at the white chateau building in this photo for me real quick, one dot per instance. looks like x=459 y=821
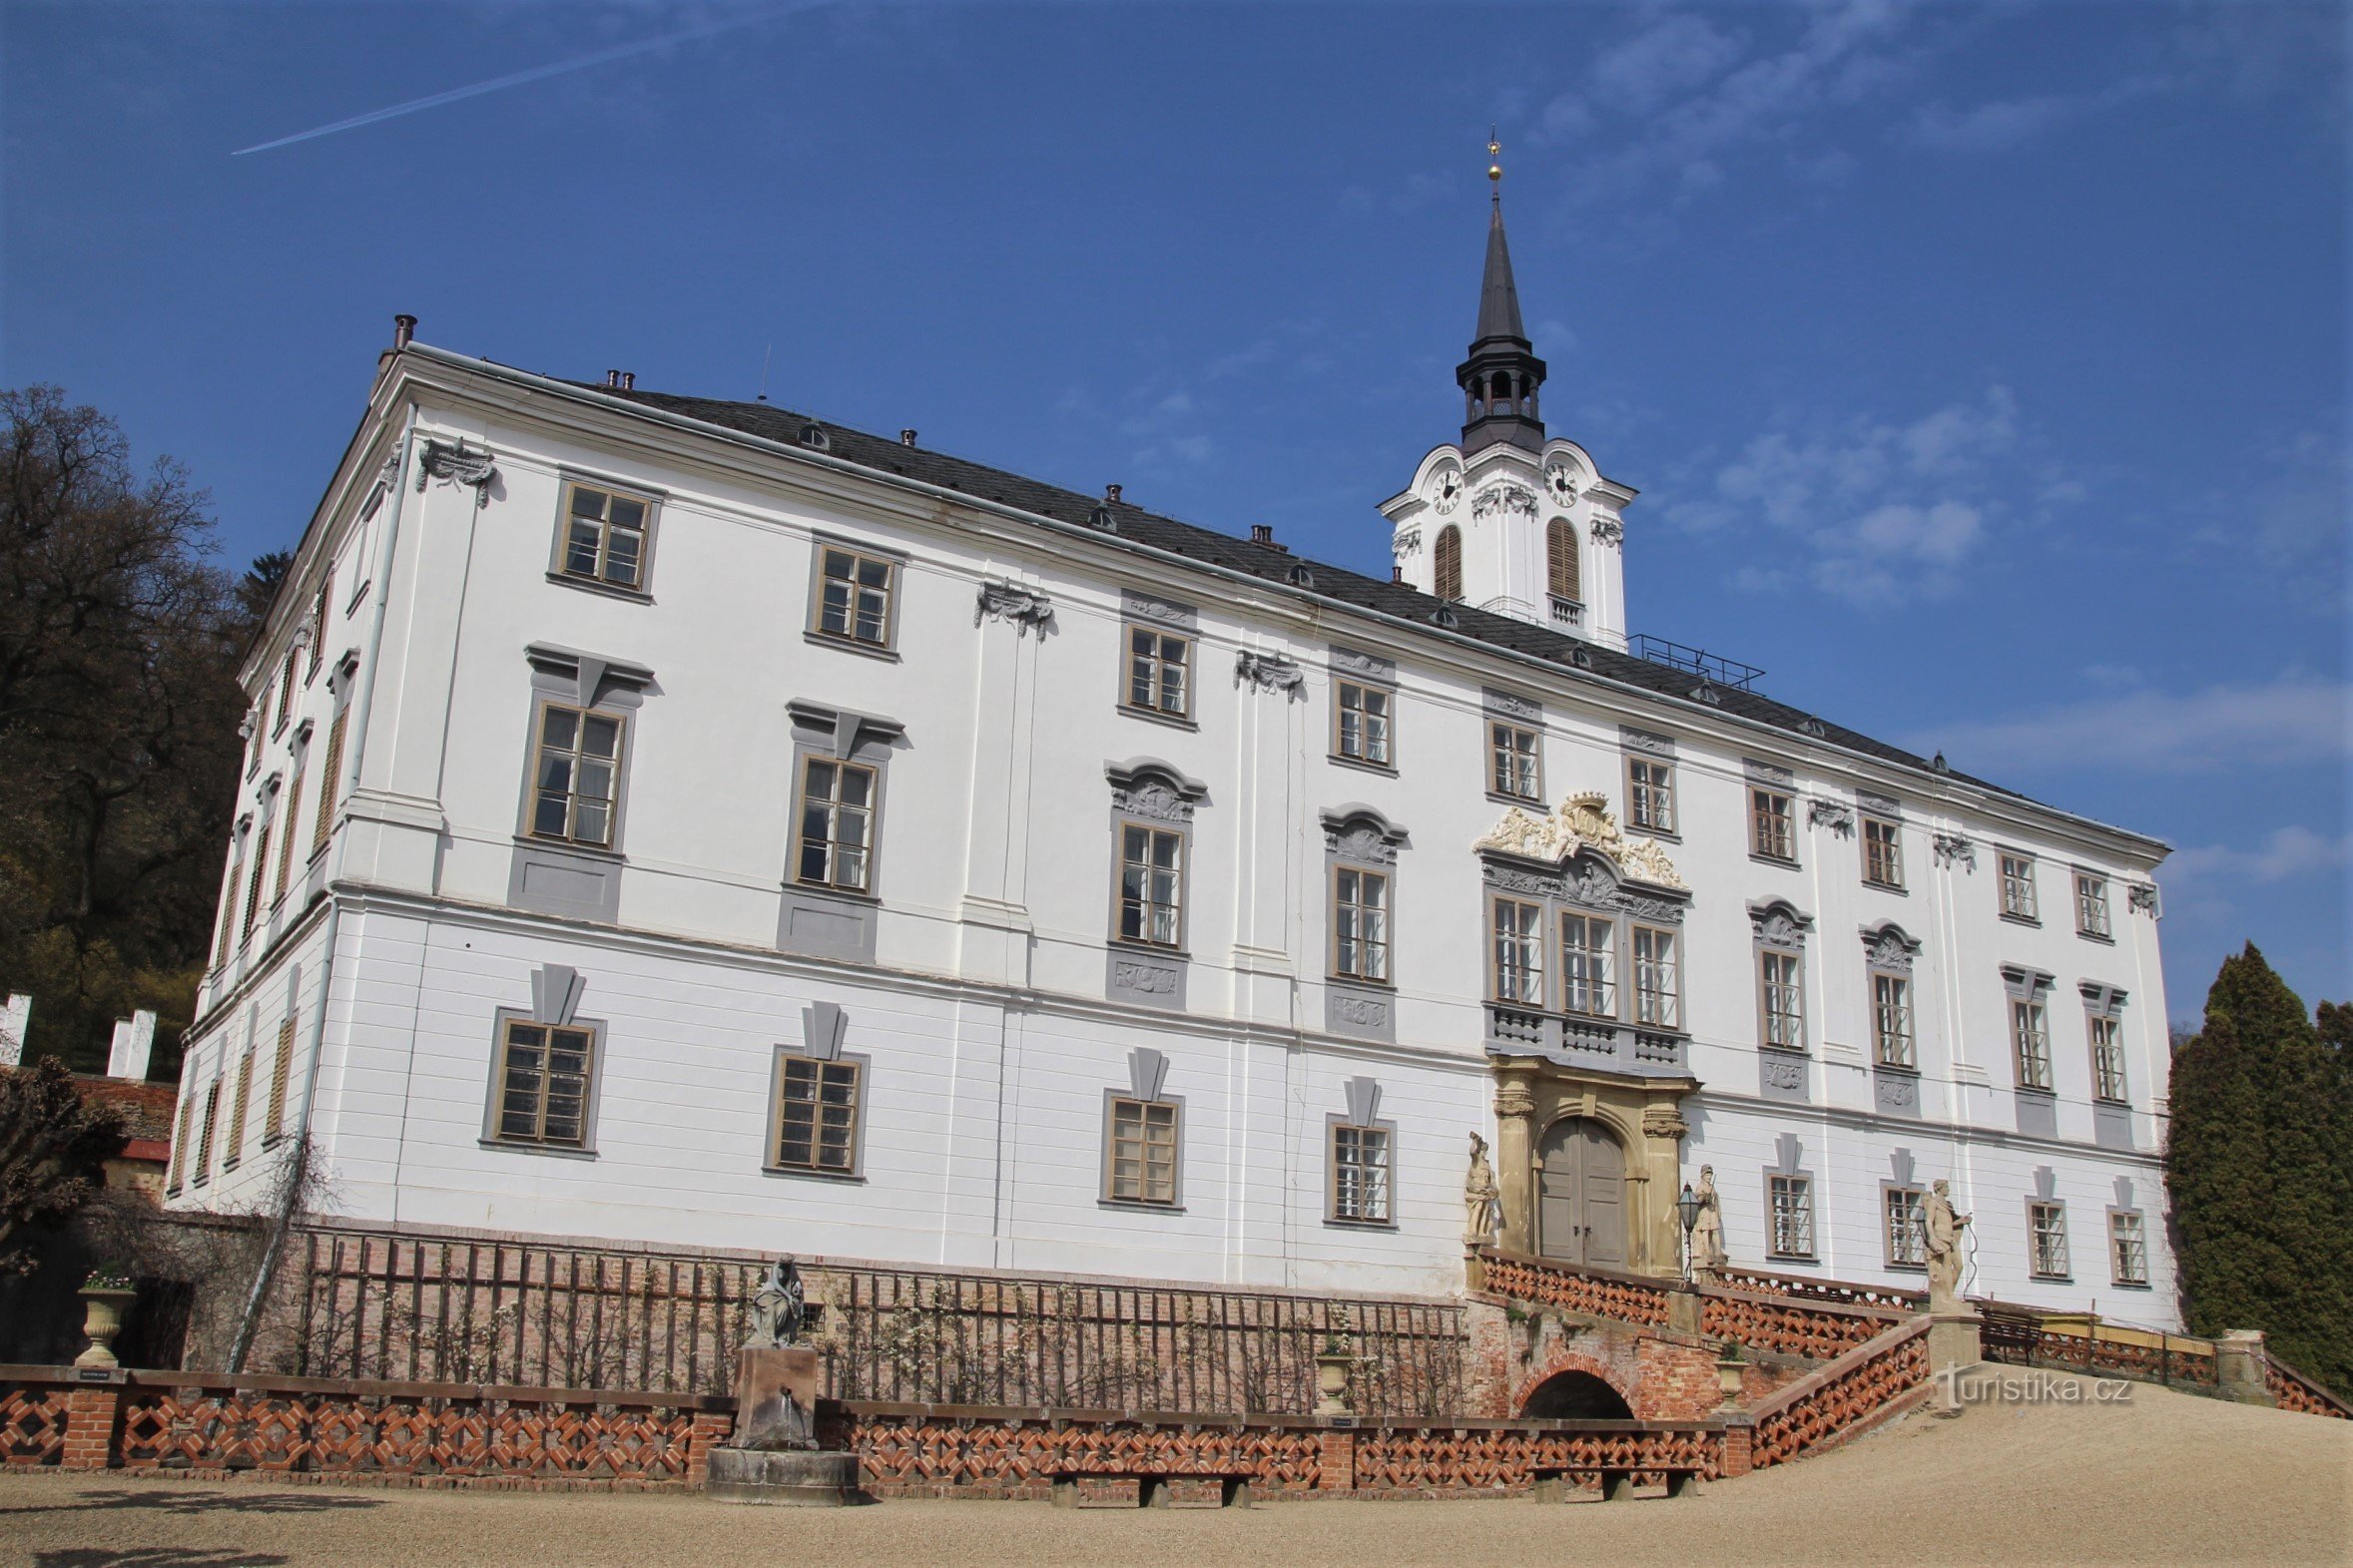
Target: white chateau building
x=694 y=823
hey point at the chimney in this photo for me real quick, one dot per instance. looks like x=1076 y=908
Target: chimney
x=1262 y=533
x=612 y=380
x=906 y=437
x=403 y=332
x=1397 y=574
x=133 y=1043
x=629 y=381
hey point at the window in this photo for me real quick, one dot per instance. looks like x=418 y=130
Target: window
x=1907 y=1226
x=1519 y=952
x=1362 y=724
x=2091 y=917
x=2047 y=1237
x=1791 y=1199
x=1781 y=981
x=321 y=612
x=1519 y=769
x=816 y=1114
x=836 y=825
x=1360 y=923
x=1156 y=678
x=236 y=1112
x=1657 y=988
x=2128 y=1248
x=1143 y=1151
x=1446 y=562
x=286 y=835
x=1883 y=853
x=1651 y=795
x=2107 y=1056
x=273 y=1113
x=285 y=695
x=329 y=778
x=605 y=535
x=579 y=761
x=1586 y=951
x=1561 y=559
x=204 y=1139
x=1890 y=1021
x=1151 y=885
x=544 y=1081
x=177 y=1176
x=2029 y=1041
x=854 y=594
x=1360 y=1173
x=258 y=861
x=2017 y=887
x=237 y=875
x=1772 y=825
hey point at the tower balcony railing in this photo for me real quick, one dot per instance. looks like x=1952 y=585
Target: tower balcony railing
x=1696 y=661
x=1568 y=612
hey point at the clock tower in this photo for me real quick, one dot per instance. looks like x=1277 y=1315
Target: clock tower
x=1508 y=520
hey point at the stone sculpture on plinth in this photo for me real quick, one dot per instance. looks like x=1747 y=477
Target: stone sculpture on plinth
x=1953 y=1339
x=1482 y=1200
x=1707 y=1234
x=773 y=1456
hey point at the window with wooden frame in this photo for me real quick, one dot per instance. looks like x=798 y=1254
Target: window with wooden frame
x=1517 y=761
x=1658 y=982
x=1772 y=825
x=1142 y=1154
x=2017 y=887
x=815 y=1126
x=1781 y=997
x=1890 y=1020
x=576 y=778
x=1360 y=924
x=204 y=1139
x=177 y=1176
x=1905 y=1229
x=257 y=863
x=286 y=695
x=2106 y=1033
x=2092 y=911
x=1588 y=947
x=1519 y=952
x=1883 y=853
x=1561 y=560
x=291 y=811
x=544 y=1079
x=237 y=876
x=605 y=534
x=241 y=1095
x=2047 y=1239
x=329 y=778
x=1361 y=722
x=2029 y=1042
x=1790 y=1199
x=837 y=816
x=1446 y=559
x=856 y=596
x=1159 y=672
x=1651 y=795
x=1360 y=1174
x=322 y=609
x=273 y=1110
x=1151 y=885
x=2128 y=1248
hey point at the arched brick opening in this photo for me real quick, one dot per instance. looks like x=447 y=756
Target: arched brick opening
x=1575 y=1397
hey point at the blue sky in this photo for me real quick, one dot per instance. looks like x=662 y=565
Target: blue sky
x=1983 y=368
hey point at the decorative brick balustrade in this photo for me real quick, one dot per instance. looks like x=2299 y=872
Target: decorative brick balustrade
x=1883 y=1378
x=1896 y=1305
x=1596 y=1292
x=2021 y=1337
x=1815 y=1331
x=2292 y=1391
x=1430 y=1462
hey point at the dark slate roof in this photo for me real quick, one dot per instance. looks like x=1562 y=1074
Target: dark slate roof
x=1570 y=653
x=1499 y=297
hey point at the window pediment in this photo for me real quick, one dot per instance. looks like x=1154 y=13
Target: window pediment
x=1582 y=823
x=1146 y=786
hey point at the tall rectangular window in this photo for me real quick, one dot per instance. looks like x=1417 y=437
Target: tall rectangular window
x=2092 y=913
x=2047 y=1225
x=1657 y=985
x=237 y=876
x=1518 y=763
x=1143 y=1154
x=816 y=1114
x=855 y=595
x=2029 y=1042
x=286 y=835
x=1883 y=853
x=204 y=1139
x=1772 y=825
x=273 y=1112
x=2128 y=1248
x=1782 y=995
x=1587 y=945
x=543 y=1084
x=1151 y=885
x=836 y=825
x=2018 y=886
x=1362 y=715
x=1906 y=1229
x=1360 y=1173
x=2107 y=1056
x=1890 y=1021
x=260 y=863
x=605 y=535
x=286 y=695
x=320 y=614
x=1651 y=795
x=330 y=779
x=1519 y=952
x=579 y=764
x=1158 y=666
x=177 y=1176
x=243 y=1092
x=1791 y=1199
x=1360 y=923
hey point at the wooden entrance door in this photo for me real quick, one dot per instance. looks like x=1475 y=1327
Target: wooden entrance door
x=1582 y=1195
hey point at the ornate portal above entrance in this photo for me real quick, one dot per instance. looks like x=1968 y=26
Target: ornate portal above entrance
x=1589 y=1164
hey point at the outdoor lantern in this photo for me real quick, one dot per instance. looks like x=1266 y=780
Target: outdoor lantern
x=1688 y=1207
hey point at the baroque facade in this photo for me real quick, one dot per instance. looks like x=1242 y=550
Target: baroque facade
x=687 y=822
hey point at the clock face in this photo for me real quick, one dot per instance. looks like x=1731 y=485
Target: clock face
x=1446 y=490
x=1561 y=483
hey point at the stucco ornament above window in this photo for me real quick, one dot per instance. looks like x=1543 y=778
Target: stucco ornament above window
x=1582 y=823
x=458 y=465
x=1504 y=500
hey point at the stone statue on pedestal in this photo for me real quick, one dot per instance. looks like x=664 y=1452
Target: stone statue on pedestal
x=778 y=1309
x=1707 y=1235
x=1940 y=1228
x=1482 y=1200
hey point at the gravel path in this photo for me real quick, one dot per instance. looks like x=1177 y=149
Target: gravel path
x=2162 y=1478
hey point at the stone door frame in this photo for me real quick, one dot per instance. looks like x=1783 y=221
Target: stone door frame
x=1533 y=1093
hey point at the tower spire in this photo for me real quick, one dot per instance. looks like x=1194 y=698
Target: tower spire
x=1500 y=378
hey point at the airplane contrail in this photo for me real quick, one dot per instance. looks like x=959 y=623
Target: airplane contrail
x=519 y=78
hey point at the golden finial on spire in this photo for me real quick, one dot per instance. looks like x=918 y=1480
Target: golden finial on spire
x=1495 y=152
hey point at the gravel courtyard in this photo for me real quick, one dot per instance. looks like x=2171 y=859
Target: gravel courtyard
x=2160 y=1478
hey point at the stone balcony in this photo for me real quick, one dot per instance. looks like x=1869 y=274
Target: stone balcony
x=1573 y=1040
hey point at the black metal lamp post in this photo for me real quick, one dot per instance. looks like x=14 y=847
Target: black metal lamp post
x=1687 y=1209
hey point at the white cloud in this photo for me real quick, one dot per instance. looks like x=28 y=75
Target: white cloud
x=2285 y=853
x=1999 y=125
x=2287 y=720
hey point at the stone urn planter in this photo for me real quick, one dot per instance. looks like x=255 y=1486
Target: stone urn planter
x=107 y=1298
x=1730 y=1364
